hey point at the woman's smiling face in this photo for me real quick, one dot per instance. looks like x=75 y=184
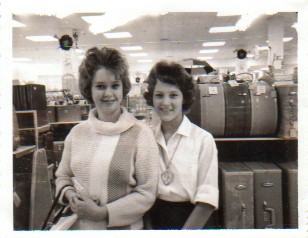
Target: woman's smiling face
x=107 y=93
x=168 y=102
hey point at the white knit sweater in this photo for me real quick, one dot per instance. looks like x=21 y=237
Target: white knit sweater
x=97 y=155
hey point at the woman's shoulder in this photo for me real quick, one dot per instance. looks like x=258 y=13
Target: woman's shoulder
x=143 y=126
x=200 y=132
x=81 y=126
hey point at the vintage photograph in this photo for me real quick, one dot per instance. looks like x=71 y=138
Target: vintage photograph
x=153 y=119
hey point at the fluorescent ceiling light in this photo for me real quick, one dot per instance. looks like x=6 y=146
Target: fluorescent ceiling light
x=131 y=48
x=250 y=55
x=264 y=68
x=205 y=58
x=93 y=19
x=221 y=29
x=79 y=50
x=138 y=54
x=246 y=20
x=208 y=51
x=217 y=43
x=284 y=39
x=263 y=48
x=145 y=61
x=113 y=35
x=21 y=59
x=17 y=24
x=41 y=38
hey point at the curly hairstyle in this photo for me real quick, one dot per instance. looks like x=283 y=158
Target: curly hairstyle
x=96 y=59
x=175 y=74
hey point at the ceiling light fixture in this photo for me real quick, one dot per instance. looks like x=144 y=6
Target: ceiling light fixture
x=128 y=48
x=17 y=24
x=250 y=55
x=205 y=57
x=222 y=29
x=263 y=48
x=284 y=39
x=246 y=20
x=208 y=51
x=138 y=54
x=217 y=43
x=115 y=35
x=41 y=38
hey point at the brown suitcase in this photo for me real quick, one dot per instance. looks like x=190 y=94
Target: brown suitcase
x=68 y=113
x=210 y=108
x=236 y=199
x=267 y=195
x=264 y=111
x=290 y=193
x=238 y=110
x=287 y=110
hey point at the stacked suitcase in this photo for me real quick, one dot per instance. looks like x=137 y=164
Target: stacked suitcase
x=233 y=109
x=287 y=96
x=258 y=195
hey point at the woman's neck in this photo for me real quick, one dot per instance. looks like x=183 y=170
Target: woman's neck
x=170 y=127
x=114 y=117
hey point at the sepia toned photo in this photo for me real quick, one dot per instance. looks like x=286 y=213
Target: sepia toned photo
x=155 y=120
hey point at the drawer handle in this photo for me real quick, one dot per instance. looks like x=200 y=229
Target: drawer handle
x=268 y=184
x=242 y=94
x=240 y=187
x=272 y=214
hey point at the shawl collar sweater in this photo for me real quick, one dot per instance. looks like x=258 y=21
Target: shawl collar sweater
x=112 y=168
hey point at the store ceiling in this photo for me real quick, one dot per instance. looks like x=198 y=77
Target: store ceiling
x=173 y=36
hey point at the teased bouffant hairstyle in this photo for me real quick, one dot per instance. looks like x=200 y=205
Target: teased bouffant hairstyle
x=96 y=59
x=175 y=74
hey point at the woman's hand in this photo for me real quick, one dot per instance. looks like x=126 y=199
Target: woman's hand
x=86 y=208
x=69 y=194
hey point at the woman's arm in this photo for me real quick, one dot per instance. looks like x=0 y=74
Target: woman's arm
x=64 y=172
x=199 y=216
x=133 y=206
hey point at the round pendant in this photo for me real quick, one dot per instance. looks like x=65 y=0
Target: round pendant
x=167 y=177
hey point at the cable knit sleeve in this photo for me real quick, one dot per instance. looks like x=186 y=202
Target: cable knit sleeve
x=64 y=173
x=132 y=207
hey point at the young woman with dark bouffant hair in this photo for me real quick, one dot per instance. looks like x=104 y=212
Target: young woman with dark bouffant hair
x=109 y=169
x=188 y=180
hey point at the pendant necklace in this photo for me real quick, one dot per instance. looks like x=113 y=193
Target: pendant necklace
x=167 y=176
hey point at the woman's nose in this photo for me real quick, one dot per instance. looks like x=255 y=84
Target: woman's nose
x=166 y=101
x=108 y=91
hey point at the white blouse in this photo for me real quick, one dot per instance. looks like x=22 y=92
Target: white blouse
x=194 y=165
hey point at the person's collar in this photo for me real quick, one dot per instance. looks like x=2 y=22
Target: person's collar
x=126 y=121
x=184 y=129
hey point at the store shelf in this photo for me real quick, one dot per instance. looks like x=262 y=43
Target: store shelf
x=254 y=139
x=65 y=122
x=23 y=150
x=39 y=129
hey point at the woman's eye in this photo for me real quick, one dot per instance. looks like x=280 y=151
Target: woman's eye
x=158 y=95
x=173 y=95
x=100 y=86
x=115 y=86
